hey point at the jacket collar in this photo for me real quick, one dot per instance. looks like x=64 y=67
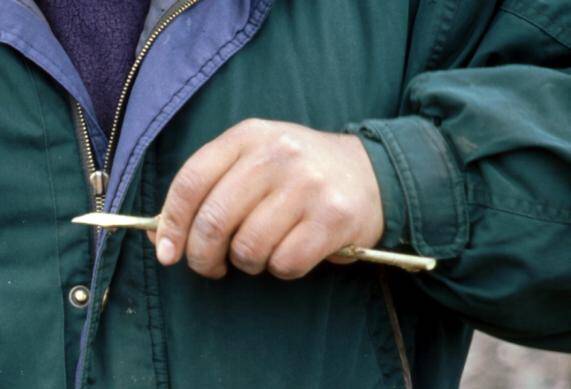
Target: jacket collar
x=23 y=27
x=31 y=5
x=212 y=32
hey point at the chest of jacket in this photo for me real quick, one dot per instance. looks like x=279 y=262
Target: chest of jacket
x=319 y=64
x=218 y=330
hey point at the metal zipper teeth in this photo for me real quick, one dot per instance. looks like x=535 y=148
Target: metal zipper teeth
x=90 y=161
x=100 y=200
x=131 y=76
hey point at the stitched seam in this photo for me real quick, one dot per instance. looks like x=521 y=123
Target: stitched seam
x=327 y=320
x=397 y=331
x=488 y=200
x=52 y=191
x=155 y=319
x=146 y=293
x=376 y=301
x=156 y=360
x=515 y=213
x=478 y=189
x=447 y=15
x=30 y=8
x=455 y=184
x=91 y=324
x=366 y=135
x=442 y=155
x=548 y=30
x=409 y=190
x=413 y=204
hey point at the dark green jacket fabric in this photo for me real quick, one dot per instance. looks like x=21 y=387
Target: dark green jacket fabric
x=465 y=111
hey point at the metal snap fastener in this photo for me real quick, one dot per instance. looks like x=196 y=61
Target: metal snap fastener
x=79 y=296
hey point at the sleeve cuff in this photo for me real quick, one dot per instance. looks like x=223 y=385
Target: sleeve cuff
x=422 y=188
x=392 y=196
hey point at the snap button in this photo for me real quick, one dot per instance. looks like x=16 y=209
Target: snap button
x=79 y=296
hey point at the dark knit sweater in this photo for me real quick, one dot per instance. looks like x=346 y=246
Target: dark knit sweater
x=100 y=36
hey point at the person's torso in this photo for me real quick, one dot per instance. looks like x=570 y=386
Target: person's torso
x=322 y=64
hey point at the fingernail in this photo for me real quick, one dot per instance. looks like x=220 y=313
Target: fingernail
x=166 y=251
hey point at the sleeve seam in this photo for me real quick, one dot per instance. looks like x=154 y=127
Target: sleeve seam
x=522 y=207
x=520 y=214
x=446 y=17
x=540 y=26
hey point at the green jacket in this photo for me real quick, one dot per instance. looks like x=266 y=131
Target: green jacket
x=465 y=111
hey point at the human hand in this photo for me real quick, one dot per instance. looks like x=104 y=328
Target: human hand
x=273 y=195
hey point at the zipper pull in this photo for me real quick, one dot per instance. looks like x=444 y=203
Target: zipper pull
x=99 y=180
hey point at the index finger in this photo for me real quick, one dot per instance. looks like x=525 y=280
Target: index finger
x=187 y=191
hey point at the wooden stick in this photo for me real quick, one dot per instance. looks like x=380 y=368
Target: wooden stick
x=411 y=263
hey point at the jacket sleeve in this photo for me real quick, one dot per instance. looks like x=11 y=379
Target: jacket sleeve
x=476 y=171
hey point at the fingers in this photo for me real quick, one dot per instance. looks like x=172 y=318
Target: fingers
x=304 y=247
x=288 y=195
x=263 y=230
x=193 y=182
x=233 y=198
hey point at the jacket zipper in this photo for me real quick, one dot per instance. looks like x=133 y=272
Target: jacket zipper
x=98 y=179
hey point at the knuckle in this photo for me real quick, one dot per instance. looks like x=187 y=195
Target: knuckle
x=210 y=221
x=183 y=187
x=203 y=266
x=187 y=182
x=247 y=257
x=195 y=259
x=312 y=179
x=336 y=209
x=244 y=252
x=172 y=223
x=214 y=272
x=277 y=153
x=209 y=272
x=286 y=147
x=247 y=125
x=259 y=163
x=287 y=270
x=251 y=123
